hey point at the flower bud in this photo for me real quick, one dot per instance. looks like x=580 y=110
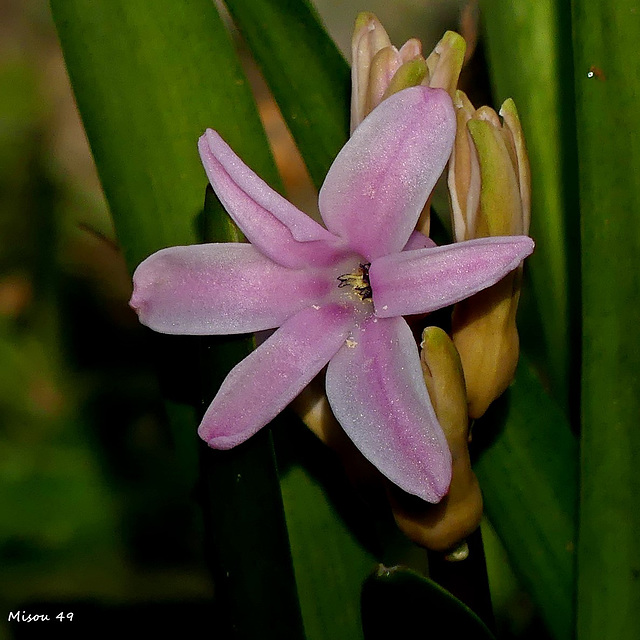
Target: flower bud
x=445 y=63
x=375 y=65
x=442 y=526
x=489 y=185
x=379 y=69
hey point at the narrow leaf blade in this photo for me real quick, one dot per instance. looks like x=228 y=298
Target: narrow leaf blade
x=529 y=480
x=305 y=71
x=607 y=81
x=147 y=84
x=397 y=603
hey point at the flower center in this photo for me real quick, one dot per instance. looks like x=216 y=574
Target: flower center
x=358 y=281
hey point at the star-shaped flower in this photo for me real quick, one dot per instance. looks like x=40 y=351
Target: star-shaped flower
x=337 y=294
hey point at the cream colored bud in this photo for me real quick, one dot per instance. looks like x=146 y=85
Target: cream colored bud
x=369 y=37
x=489 y=177
x=378 y=69
x=485 y=334
x=513 y=128
x=489 y=184
x=464 y=172
x=442 y=526
x=445 y=63
x=409 y=74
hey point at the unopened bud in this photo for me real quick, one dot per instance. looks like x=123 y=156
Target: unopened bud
x=445 y=63
x=378 y=69
x=374 y=64
x=489 y=184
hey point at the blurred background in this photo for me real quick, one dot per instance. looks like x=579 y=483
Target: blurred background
x=98 y=509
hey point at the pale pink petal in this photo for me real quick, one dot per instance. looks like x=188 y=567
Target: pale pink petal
x=379 y=182
x=428 y=279
x=270 y=222
x=220 y=289
x=410 y=50
x=418 y=240
x=267 y=380
x=377 y=393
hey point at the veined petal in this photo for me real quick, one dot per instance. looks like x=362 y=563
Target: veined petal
x=428 y=279
x=267 y=380
x=271 y=223
x=379 y=182
x=377 y=392
x=220 y=289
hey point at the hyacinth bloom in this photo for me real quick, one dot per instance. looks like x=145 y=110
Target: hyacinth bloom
x=337 y=294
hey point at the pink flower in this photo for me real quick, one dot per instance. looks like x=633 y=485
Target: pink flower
x=337 y=294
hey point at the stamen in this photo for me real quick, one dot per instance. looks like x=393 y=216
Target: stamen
x=358 y=281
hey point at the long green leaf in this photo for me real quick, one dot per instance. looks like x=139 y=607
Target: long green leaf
x=608 y=112
x=305 y=71
x=528 y=45
x=529 y=481
x=329 y=559
x=148 y=83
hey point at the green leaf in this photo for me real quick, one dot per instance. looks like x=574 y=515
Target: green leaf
x=607 y=77
x=330 y=561
x=305 y=71
x=397 y=603
x=529 y=480
x=148 y=83
x=528 y=46
x=248 y=542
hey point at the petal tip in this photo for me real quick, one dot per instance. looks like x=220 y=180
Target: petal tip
x=139 y=297
x=206 y=140
x=438 y=479
x=438 y=98
x=220 y=442
x=525 y=244
x=440 y=486
x=431 y=488
x=135 y=302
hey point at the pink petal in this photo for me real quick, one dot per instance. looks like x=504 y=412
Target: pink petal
x=270 y=222
x=266 y=381
x=379 y=182
x=220 y=289
x=428 y=279
x=418 y=240
x=377 y=393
